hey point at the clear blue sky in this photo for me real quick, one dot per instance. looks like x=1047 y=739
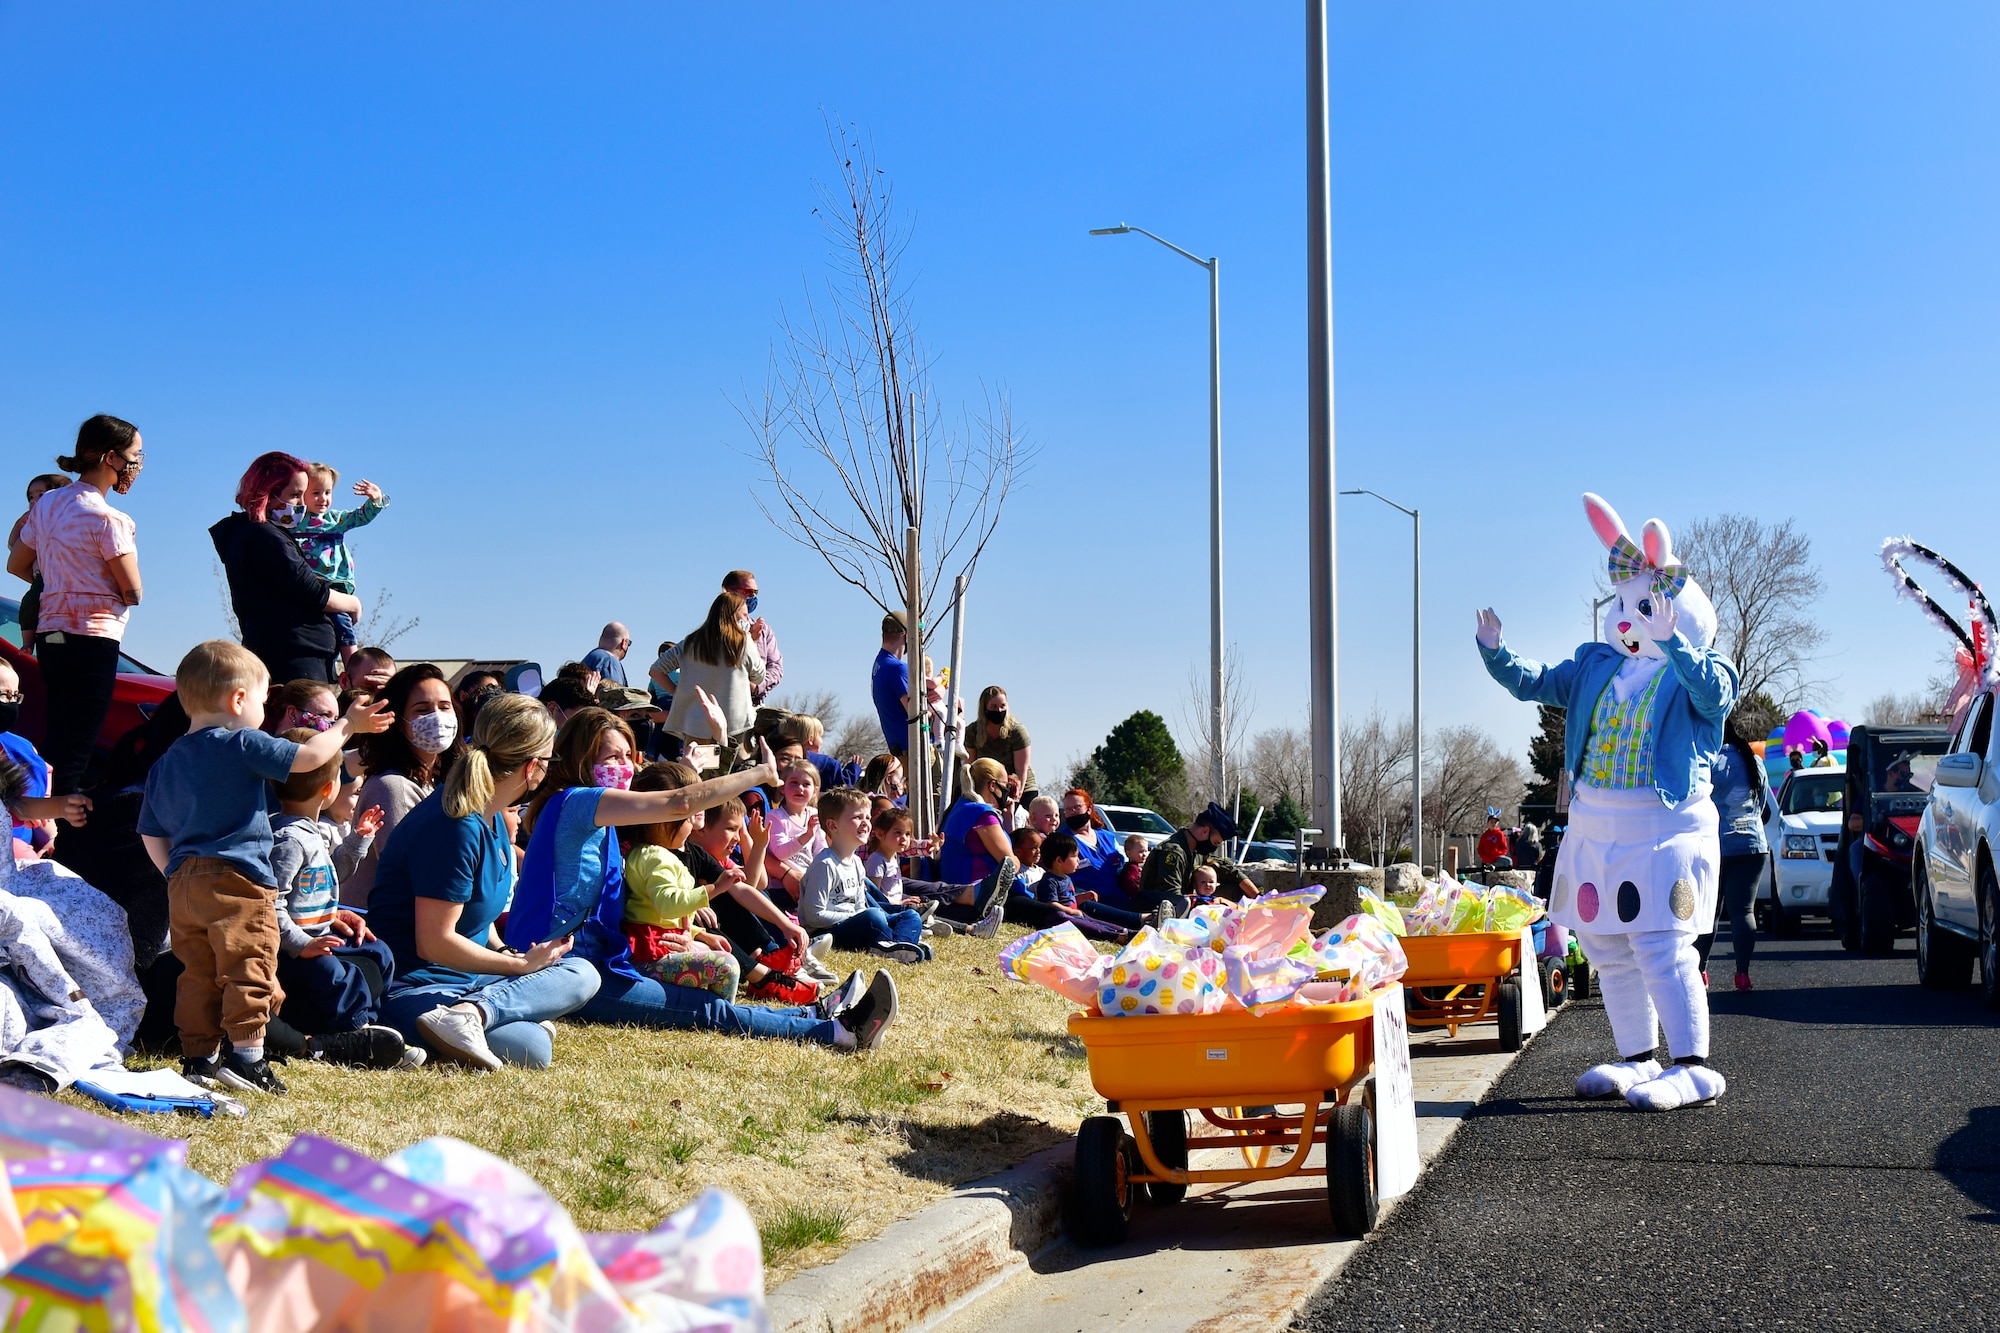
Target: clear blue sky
x=514 y=262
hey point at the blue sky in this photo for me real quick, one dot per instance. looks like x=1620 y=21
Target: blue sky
x=516 y=263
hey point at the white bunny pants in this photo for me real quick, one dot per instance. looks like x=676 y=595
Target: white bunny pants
x=1651 y=979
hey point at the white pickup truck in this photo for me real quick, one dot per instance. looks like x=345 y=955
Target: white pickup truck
x=1802 y=829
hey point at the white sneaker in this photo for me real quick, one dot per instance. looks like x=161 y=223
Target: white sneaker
x=414 y=1057
x=813 y=970
x=548 y=1025
x=871 y=1015
x=989 y=925
x=897 y=952
x=819 y=945
x=460 y=1036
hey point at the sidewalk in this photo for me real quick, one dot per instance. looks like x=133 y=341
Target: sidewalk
x=1234 y=1256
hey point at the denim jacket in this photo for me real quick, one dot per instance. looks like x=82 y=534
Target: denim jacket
x=1693 y=699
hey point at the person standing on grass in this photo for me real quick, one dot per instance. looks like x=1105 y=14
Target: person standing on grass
x=889 y=683
x=607 y=659
x=742 y=583
x=206 y=827
x=444 y=880
x=572 y=884
x=87 y=554
x=834 y=897
x=998 y=735
x=718 y=660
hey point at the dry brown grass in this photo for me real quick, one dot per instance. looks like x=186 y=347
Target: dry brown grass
x=825 y=1149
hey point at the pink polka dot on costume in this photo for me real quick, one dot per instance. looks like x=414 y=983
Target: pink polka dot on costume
x=1586 y=901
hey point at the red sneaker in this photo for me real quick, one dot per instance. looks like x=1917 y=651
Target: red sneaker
x=782 y=988
x=1743 y=981
x=784 y=960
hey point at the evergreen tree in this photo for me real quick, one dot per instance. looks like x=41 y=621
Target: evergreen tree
x=1285 y=818
x=1142 y=766
x=1545 y=757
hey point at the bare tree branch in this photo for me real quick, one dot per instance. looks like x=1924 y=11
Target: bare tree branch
x=1763 y=582
x=849 y=427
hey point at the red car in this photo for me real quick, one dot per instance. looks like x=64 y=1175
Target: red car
x=138 y=692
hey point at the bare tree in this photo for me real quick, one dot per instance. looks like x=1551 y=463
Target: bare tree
x=1465 y=772
x=1279 y=763
x=379 y=627
x=1763 y=582
x=1239 y=703
x=1375 y=782
x=851 y=428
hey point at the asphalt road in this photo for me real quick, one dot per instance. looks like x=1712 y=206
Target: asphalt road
x=1849 y=1179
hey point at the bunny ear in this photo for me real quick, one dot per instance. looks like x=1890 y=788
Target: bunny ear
x=1604 y=520
x=1659 y=545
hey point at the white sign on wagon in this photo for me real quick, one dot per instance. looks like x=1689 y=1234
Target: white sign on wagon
x=1396 y=1159
x=1534 y=1014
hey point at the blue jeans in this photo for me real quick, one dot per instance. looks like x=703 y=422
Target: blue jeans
x=646 y=1003
x=1117 y=916
x=343 y=629
x=871 y=924
x=335 y=992
x=514 y=1007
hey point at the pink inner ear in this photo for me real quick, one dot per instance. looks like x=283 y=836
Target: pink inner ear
x=1604 y=520
x=1659 y=546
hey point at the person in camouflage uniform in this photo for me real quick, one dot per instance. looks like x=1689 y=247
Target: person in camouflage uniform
x=1169 y=871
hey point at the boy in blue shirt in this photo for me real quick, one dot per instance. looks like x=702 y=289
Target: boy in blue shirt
x=207 y=826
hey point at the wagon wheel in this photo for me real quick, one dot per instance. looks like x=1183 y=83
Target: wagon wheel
x=1103 y=1193
x=1350 y=1169
x=1169 y=1132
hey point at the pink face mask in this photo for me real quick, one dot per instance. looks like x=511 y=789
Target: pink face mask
x=613 y=773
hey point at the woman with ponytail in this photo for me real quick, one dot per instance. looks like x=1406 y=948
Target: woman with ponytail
x=1737 y=775
x=88 y=555
x=444 y=879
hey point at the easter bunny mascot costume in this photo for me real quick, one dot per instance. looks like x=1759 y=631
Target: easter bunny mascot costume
x=1636 y=876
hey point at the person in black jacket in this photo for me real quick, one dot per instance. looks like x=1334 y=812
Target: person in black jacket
x=282 y=606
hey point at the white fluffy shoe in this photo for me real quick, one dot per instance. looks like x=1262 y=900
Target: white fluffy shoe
x=1682 y=1085
x=1616 y=1079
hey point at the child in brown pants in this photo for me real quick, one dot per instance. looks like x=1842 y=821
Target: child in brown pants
x=205 y=825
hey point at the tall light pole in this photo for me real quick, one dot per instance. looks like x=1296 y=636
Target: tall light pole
x=1323 y=586
x=1217 y=732
x=1416 y=672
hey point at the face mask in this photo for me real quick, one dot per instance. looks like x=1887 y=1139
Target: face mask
x=433 y=733
x=286 y=515
x=1076 y=823
x=996 y=715
x=750 y=603
x=313 y=720
x=614 y=773
x=9 y=714
x=122 y=482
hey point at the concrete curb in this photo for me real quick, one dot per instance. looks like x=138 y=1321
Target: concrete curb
x=923 y=1267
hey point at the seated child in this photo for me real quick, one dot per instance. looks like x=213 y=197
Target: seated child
x=796 y=836
x=975 y=909
x=773 y=951
x=205 y=825
x=331 y=969
x=1129 y=879
x=834 y=894
x=34 y=816
x=1027 y=844
x=661 y=897
x=1060 y=858
x=321 y=533
x=1026 y=906
x=1201 y=884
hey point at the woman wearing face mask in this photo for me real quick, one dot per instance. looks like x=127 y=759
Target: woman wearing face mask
x=404 y=763
x=281 y=604
x=998 y=735
x=1102 y=861
x=720 y=659
x=88 y=554
x=302 y=703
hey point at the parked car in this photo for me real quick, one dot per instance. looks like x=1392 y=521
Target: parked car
x=1957 y=897
x=137 y=692
x=1802 y=829
x=1148 y=824
x=1889 y=777
x=1287 y=851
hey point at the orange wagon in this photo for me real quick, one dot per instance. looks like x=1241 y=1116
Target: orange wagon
x=1156 y=1069
x=1467 y=978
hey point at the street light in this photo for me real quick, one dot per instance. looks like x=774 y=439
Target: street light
x=1416 y=673
x=1596 y=625
x=1217 y=734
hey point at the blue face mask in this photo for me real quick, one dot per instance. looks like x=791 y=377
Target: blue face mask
x=750 y=603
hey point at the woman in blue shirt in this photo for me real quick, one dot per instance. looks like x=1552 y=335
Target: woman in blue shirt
x=974 y=839
x=443 y=880
x=573 y=884
x=1737 y=775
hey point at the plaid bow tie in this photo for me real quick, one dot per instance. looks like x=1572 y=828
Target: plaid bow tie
x=1629 y=562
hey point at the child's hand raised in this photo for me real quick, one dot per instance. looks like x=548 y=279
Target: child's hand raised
x=718 y=721
x=369 y=822
x=757 y=829
x=366 y=719
x=812 y=826
x=369 y=489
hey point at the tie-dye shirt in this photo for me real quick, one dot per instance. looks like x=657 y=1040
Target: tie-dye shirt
x=73 y=531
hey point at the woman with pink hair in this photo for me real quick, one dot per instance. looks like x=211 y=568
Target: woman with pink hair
x=281 y=605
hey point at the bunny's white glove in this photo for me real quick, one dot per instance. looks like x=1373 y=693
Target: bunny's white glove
x=1664 y=623
x=1489 y=629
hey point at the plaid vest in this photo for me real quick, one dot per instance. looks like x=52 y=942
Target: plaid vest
x=1619 y=752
